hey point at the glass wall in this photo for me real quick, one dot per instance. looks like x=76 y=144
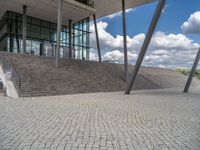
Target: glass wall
x=41 y=36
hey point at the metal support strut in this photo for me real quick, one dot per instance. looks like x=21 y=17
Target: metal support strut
x=24 y=29
x=192 y=73
x=59 y=26
x=146 y=43
x=126 y=75
x=97 y=37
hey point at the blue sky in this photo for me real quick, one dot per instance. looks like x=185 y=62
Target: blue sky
x=176 y=12
x=174 y=15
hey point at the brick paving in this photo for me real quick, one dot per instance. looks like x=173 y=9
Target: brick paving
x=161 y=119
x=38 y=77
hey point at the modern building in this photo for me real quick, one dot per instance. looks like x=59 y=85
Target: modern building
x=41 y=36
x=61 y=28
x=35 y=22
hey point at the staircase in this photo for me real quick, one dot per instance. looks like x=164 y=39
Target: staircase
x=39 y=77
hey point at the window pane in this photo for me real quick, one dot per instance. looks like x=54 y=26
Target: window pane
x=53 y=26
x=35 y=31
x=45 y=24
x=45 y=33
x=35 y=21
x=29 y=19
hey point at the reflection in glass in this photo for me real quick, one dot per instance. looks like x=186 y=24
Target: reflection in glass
x=41 y=36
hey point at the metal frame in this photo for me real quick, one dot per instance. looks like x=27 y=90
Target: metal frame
x=192 y=73
x=126 y=75
x=24 y=28
x=37 y=38
x=59 y=26
x=146 y=43
x=97 y=38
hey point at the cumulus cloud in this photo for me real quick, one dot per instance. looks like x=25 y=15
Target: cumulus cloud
x=117 y=56
x=119 y=13
x=114 y=56
x=192 y=25
x=93 y=54
x=165 y=50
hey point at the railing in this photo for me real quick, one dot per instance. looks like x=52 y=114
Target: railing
x=7 y=66
x=91 y=3
x=86 y=2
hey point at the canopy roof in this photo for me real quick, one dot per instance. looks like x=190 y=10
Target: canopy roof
x=47 y=9
x=107 y=7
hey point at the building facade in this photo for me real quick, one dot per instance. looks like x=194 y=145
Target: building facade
x=33 y=26
x=41 y=36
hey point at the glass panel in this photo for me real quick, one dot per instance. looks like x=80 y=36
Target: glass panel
x=35 y=21
x=28 y=46
x=28 y=30
x=52 y=36
x=35 y=48
x=45 y=33
x=53 y=26
x=45 y=24
x=35 y=31
x=29 y=19
x=40 y=32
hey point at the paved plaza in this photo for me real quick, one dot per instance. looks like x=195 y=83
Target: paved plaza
x=157 y=119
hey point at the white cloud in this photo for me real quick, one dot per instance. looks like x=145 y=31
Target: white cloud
x=165 y=8
x=162 y=66
x=160 y=52
x=165 y=50
x=109 y=41
x=172 y=41
x=114 y=56
x=192 y=25
x=119 y=13
x=117 y=56
x=93 y=55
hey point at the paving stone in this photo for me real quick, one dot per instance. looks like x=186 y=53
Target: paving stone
x=144 y=120
x=39 y=77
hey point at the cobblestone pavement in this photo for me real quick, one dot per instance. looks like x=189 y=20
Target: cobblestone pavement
x=165 y=119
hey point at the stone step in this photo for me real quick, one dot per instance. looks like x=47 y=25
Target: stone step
x=39 y=77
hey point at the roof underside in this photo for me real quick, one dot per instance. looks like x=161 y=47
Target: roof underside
x=47 y=9
x=108 y=7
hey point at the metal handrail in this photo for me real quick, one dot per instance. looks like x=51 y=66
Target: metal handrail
x=8 y=66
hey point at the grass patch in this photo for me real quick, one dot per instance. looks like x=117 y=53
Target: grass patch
x=187 y=72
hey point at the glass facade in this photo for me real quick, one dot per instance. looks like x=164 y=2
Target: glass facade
x=41 y=36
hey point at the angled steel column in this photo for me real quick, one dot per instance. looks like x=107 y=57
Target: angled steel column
x=24 y=29
x=59 y=27
x=126 y=75
x=97 y=38
x=70 y=39
x=146 y=43
x=192 y=73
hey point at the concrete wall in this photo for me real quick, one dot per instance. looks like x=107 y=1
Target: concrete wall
x=10 y=88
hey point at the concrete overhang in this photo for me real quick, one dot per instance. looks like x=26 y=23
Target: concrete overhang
x=47 y=9
x=108 y=7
